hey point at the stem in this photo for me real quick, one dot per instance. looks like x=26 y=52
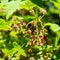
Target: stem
x=41 y=17
x=41 y=21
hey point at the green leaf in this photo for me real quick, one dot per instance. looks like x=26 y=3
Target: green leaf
x=21 y=52
x=57 y=38
x=27 y=5
x=38 y=2
x=3 y=25
x=11 y=7
x=6 y=51
x=1 y=5
x=2 y=43
x=53 y=27
x=29 y=18
x=58 y=33
x=56 y=4
x=13 y=33
x=4 y=1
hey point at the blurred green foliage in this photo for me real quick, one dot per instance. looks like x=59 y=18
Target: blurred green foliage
x=29 y=29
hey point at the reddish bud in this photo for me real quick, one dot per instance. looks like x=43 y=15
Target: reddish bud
x=32 y=37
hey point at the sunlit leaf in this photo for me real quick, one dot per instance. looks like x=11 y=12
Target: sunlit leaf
x=11 y=7
x=3 y=25
x=53 y=27
x=4 y=1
